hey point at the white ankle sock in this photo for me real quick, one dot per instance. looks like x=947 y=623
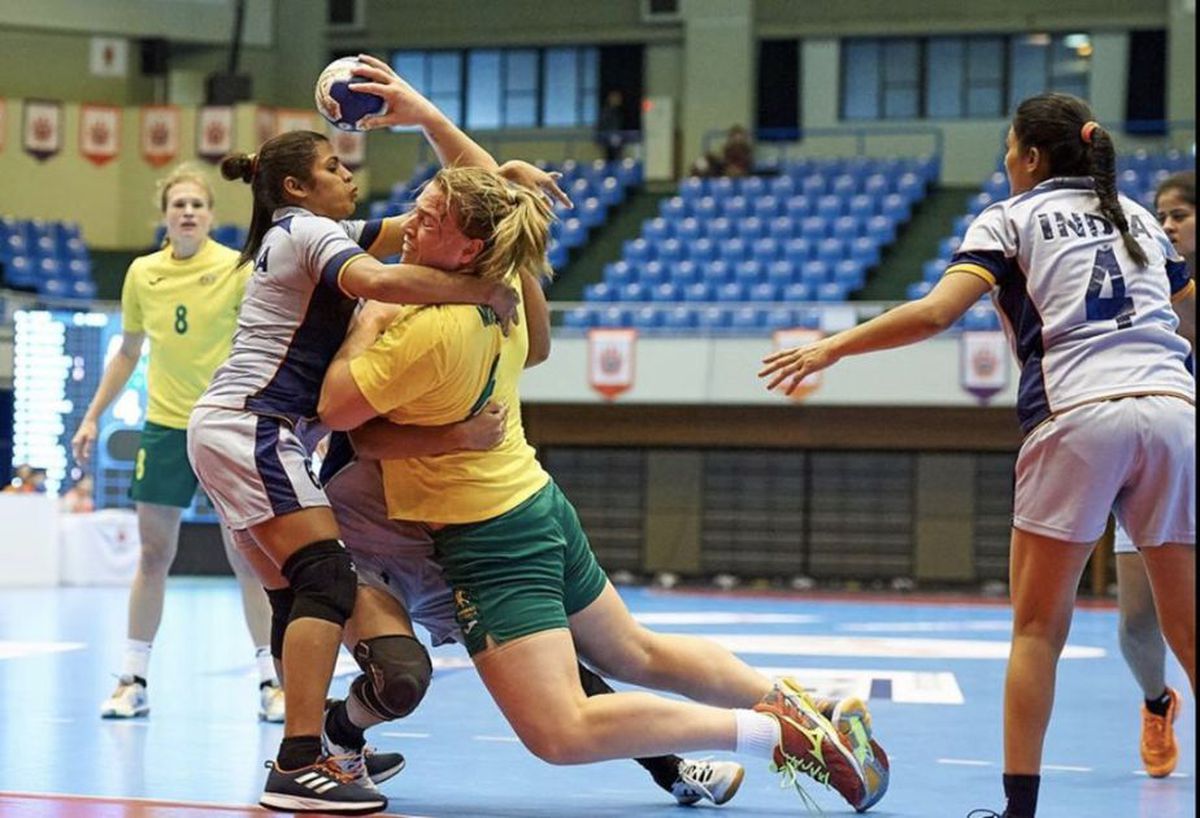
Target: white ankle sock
x=266 y=664
x=136 y=661
x=757 y=733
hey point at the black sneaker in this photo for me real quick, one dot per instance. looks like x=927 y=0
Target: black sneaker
x=319 y=787
x=367 y=766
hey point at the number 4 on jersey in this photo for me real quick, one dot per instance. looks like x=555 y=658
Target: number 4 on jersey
x=1116 y=305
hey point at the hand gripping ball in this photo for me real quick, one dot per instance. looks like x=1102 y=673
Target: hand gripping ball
x=343 y=107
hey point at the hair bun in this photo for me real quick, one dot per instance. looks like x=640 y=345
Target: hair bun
x=238 y=166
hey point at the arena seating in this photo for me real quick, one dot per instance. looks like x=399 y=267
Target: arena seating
x=595 y=188
x=732 y=256
x=46 y=257
x=1138 y=176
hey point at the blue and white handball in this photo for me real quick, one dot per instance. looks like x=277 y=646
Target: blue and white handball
x=343 y=107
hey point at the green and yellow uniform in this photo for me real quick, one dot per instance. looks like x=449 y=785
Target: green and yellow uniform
x=510 y=543
x=188 y=311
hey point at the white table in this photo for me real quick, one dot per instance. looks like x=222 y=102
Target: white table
x=29 y=552
x=100 y=548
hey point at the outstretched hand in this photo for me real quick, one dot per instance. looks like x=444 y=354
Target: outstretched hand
x=797 y=363
x=505 y=301
x=405 y=106
x=531 y=176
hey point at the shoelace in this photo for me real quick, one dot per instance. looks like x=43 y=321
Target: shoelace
x=983 y=813
x=328 y=767
x=354 y=765
x=696 y=775
x=790 y=777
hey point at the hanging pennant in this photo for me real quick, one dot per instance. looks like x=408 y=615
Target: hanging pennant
x=295 y=119
x=611 y=360
x=160 y=134
x=99 y=132
x=214 y=132
x=42 y=128
x=788 y=338
x=350 y=146
x=264 y=124
x=983 y=363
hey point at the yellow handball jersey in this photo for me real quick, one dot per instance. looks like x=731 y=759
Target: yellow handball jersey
x=188 y=310
x=439 y=365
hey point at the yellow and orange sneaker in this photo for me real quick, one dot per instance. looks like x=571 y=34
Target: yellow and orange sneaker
x=1160 y=753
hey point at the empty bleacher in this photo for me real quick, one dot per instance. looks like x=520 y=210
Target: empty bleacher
x=45 y=257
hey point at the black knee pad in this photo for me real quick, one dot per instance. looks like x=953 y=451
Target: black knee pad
x=592 y=684
x=396 y=674
x=324 y=582
x=281 y=600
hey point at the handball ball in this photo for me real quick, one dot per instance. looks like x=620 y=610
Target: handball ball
x=337 y=103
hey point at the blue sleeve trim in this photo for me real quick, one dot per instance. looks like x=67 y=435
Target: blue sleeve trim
x=994 y=261
x=333 y=268
x=1177 y=274
x=370 y=233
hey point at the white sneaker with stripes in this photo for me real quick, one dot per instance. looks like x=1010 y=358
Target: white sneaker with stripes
x=320 y=787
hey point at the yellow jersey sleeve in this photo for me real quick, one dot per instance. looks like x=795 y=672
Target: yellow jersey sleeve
x=132 y=319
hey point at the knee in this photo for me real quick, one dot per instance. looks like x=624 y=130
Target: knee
x=396 y=674
x=1139 y=624
x=635 y=661
x=323 y=581
x=554 y=744
x=281 y=600
x=156 y=557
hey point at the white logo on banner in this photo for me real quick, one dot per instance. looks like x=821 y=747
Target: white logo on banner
x=611 y=362
x=99 y=132
x=160 y=134
x=983 y=363
x=109 y=57
x=788 y=338
x=214 y=132
x=42 y=129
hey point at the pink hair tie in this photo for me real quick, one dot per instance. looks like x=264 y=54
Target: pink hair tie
x=1085 y=133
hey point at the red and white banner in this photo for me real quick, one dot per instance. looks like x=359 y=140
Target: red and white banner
x=295 y=119
x=42 y=128
x=350 y=146
x=983 y=363
x=611 y=360
x=109 y=57
x=99 y=132
x=160 y=134
x=788 y=338
x=264 y=125
x=214 y=132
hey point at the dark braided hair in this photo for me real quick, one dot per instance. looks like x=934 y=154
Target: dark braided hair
x=1055 y=124
x=289 y=154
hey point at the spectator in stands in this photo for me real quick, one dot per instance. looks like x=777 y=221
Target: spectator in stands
x=1139 y=633
x=184 y=298
x=37 y=481
x=78 y=498
x=22 y=480
x=1105 y=392
x=611 y=126
x=735 y=159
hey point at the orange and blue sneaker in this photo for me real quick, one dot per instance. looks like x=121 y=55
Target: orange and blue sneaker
x=811 y=745
x=1160 y=752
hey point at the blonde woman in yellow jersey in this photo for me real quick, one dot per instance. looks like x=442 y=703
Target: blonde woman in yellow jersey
x=530 y=597
x=184 y=298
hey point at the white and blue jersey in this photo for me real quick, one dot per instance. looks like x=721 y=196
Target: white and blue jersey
x=293 y=318
x=1085 y=321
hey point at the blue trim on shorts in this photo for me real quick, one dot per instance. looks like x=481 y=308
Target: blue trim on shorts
x=270 y=468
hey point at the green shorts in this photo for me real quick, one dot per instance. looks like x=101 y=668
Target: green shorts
x=520 y=573
x=162 y=473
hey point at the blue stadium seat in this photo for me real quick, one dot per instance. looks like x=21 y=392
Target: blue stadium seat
x=750 y=228
x=777 y=318
x=50 y=268
x=797 y=251
x=652 y=272
x=700 y=250
x=54 y=287
x=721 y=187
x=861 y=205
x=83 y=289
x=882 y=229
x=781 y=228
x=646 y=319
x=629 y=171
x=698 y=292
x=670 y=250
x=764 y=291
x=911 y=187
x=719 y=229
x=635 y=291
x=865 y=250
x=751 y=187
x=831 y=251
x=717 y=272
x=846 y=228
x=979 y=202
x=378 y=209
x=19 y=271
x=705 y=208
x=782 y=187
x=875 y=185
x=684 y=272
x=843 y=186
x=613 y=317
x=733 y=250
x=962 y=223
x=896 y=207
x=797 y=291
x=611 y=193
x=781 y=273
x=688 y=229
x=619 y=272
x=673 y=208
x=556 y=254
x=679 y=318
x=933 y=269
x=656 y=229
x=637 y=250
x=735 y=207
x=918 y=289
x=749 y=272
x=981 y=316
x=579 y=318
x=850 y=273
x=765 y=250
x=573 y=233
x=79 y=269
x=16 y=245
x=693 y=187
x=813 y=186
x=832 y=291
x=745 y=320
x=579 y=190
x=798 y=207
x=599 y=292
x=808 y=317
x=829 y=207
x=731 y=292
x=766 y=208
x=814 y=273
x=712 y=319
x=45 y=246
x=814 y=228
x=948 y=246
x=592 y=212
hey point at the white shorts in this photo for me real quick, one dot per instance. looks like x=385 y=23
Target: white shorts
x=395 y=556
x=253 y=467
x=1134 y=456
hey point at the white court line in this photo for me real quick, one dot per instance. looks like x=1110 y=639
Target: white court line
x=405 y=735
x=964 y=762
x=509 y=739
x=1066 y=768
x=1145 y=774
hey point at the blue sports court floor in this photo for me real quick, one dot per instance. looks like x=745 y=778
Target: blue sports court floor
x=933 y=669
